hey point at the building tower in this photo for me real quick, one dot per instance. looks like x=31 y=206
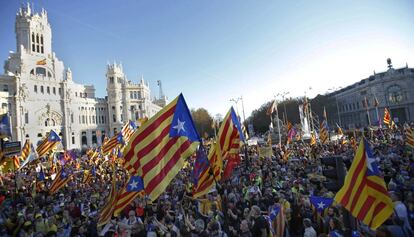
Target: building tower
x=115 y=79
x=33 y=32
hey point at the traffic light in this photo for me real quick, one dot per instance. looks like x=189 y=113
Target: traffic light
x=334 y=170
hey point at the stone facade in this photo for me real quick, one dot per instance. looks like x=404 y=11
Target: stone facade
x=40 y=94
x=393 y=89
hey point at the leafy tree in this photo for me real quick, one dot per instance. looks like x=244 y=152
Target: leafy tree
x=203 y=122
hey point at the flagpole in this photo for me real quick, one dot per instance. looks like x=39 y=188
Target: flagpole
x=278 y=126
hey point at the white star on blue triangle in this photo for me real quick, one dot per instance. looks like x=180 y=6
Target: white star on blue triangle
x=372 y=165
x=135 y=184
x=182 y=124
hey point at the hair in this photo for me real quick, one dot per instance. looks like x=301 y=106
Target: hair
x=307 y=222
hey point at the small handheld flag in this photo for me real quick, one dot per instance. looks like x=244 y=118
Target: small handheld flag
x=321 y=203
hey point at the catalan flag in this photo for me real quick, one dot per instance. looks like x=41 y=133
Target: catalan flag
x=286 y=155
x=323 y=132
x=158 y=149
x=48 y=143
x=61 y=179
x=31 y=157
x=87 y=176
x=364 y=193
x=409 y=137
x=227 y=145
x=277 y=220
x=387 y=117
x=313 y=139
x=141 y=121
x=128 y=130
x=112 y=143
x=25 y=150
x=108 y=209
x=201 y=164
x=133 y=189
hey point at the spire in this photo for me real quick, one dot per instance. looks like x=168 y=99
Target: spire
x=142 y=80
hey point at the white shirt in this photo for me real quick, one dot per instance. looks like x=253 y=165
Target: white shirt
x=309 y=232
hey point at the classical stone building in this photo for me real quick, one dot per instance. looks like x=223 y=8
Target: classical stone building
x=393 y=89
x=40 y=94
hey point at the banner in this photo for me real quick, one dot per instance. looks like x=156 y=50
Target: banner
x=304 y=123
x=265 y=151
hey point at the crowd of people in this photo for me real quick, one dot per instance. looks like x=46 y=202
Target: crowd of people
x=238 y=206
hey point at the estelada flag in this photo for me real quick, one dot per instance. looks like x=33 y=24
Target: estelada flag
x=364 y=193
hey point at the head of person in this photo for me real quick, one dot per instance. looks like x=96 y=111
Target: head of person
x=131 y=215
x=244 y=226
x=199 y=225
x=255 y=211
x=307 y=223
x=214 y=228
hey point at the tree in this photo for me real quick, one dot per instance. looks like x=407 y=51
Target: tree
x=203 y=122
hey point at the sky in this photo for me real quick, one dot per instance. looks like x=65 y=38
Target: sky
x=214 y=50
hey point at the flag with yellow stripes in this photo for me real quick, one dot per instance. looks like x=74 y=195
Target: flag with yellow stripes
x=364 y=193
x=409 y=137
x=132 y=189
x=25 y=150
x=61 y=179
x=228 y=143
x=107 y=211
x=48 y=144
x=157 y=150
x=387 y=117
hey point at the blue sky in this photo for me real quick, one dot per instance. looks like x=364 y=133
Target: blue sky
x=216 y=50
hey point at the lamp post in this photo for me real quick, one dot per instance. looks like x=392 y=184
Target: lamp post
x=236 y=101
x=283 y=94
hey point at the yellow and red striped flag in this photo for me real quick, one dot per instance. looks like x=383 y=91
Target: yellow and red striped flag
x=133 y=188
x=228 y=143
x=25 y=150
x=286 y=155
x=127 y=130
x=108 y=209
x=387 y=117
x=409 y=137
x=313 y=139
x=364 y=193
x=48 y=144
x=157 y=150
x=323 y=132
x=112 y=143
x=61 y=179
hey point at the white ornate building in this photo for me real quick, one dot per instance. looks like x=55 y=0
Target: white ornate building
x=40 y=94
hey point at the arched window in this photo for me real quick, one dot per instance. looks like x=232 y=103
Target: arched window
x=41 y=71
x=37 y=38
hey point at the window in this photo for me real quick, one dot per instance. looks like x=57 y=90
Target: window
x=41 y=49
x=41 y=89
x=5 y=87
x=41 y=71
x=103 y=119
x=37 y=38
x=73 y=140
x=83 y=119
x=71 y=118
x=114 y=118
x=48 y=90
x=111 y=80
x=80 y=119
x=84 y=140
x=131 y=95
x=119 y=80
x=26 y=117
x=136 y=95
x=86 y=95
x=54 y=90
x=37 y=48
x=60 y=91
x=90 y=119
x=35 y=88
x=76 y=94
x=41 y=39
x=139 y=94
x=33 y=47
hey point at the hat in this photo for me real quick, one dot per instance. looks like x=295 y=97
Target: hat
x=38 y=215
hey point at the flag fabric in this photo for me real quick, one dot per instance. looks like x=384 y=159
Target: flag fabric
x=25 y=150
x=364 y=193
x=201 y=164
x=9 y=164
x=232 y=162
x=158 y=149
x=5 y=128
x=87 y=176
x=323 y=132
x=133 y=188
x=245 y=132
x=340 y=132
x=48 y=144
x=305 y=105
x=313 y=139
x=141 y=121
x=286 y=155
x=41 y=62
x=320 y=203
x=127 y=130
x=291 y=134
x=106 y=213
x=31 y=157
x=41 y=175
x=387 y=117
x=409 y=137
x=272 y=108
x=61 y=179
x=277 y=220
x=227 y=145
x=112 y=143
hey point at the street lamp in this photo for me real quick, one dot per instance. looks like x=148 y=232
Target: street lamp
x=283 y=94
x=236 y=101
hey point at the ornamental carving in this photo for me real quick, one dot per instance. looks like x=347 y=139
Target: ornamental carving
x=49 y=117
x=23 y=92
